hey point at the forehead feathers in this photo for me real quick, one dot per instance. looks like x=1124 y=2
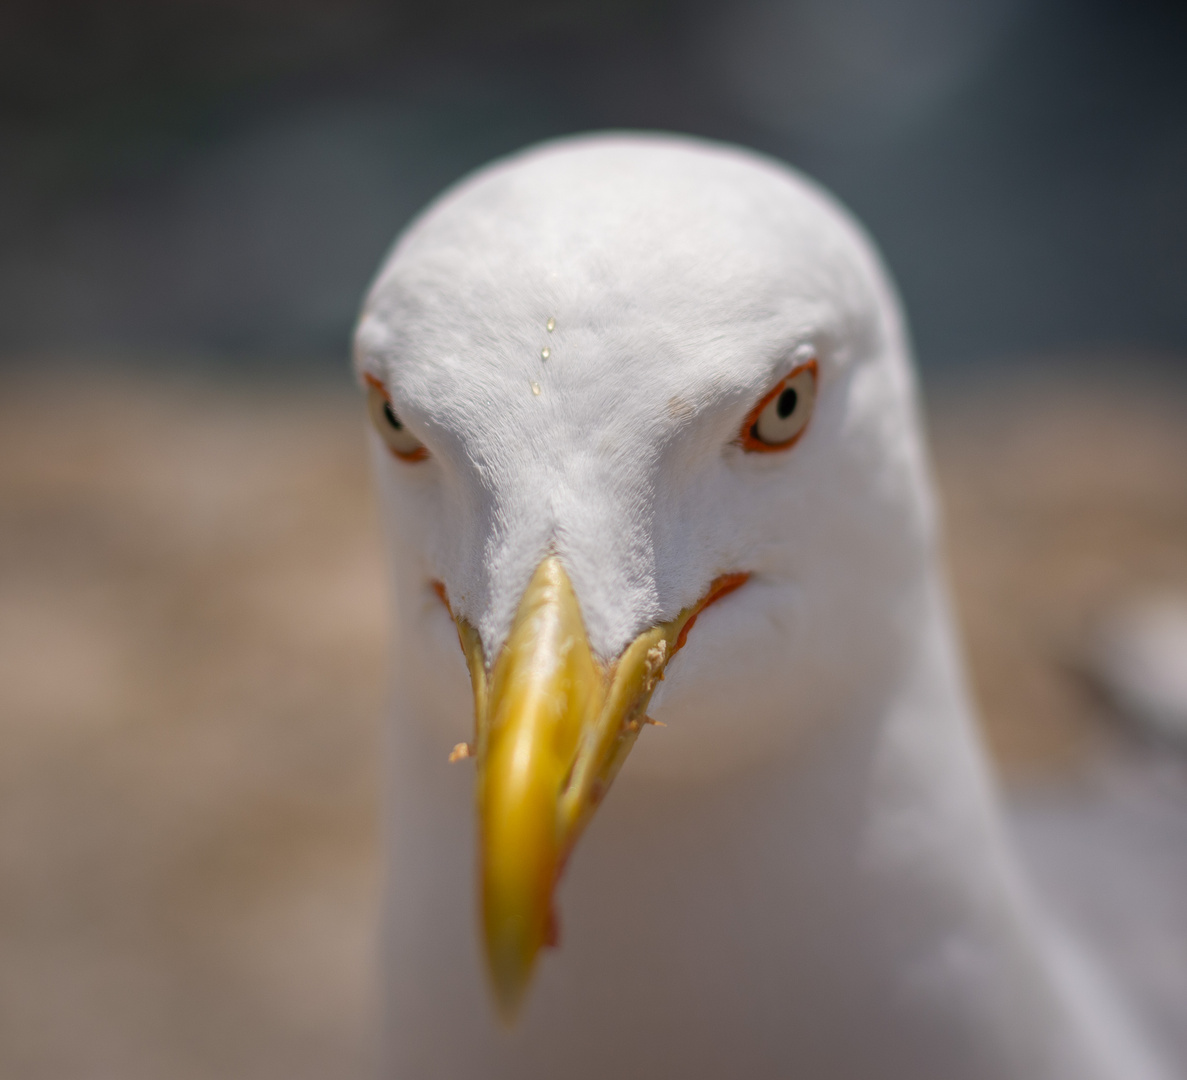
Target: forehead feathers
x=619 y=232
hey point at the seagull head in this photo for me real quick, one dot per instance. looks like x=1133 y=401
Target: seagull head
x=620 y=385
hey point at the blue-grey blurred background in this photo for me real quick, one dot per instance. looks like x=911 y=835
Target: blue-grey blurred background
x=210 y=179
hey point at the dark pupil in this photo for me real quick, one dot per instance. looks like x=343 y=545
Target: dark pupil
x=787 y=403
x=394 y=420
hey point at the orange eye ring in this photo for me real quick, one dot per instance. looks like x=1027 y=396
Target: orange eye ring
x=398 y=439
x=749 y=438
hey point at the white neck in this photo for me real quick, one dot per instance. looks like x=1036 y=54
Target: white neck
x=854 y=913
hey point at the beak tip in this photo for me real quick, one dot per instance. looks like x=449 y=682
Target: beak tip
x=513 y=945
x=510 y=978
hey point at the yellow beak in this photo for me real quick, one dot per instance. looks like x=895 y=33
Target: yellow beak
x=553 y=726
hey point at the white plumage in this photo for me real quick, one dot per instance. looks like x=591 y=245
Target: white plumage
x=804 y=873
x=1138 y=655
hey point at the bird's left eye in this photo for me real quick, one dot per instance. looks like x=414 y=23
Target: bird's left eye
x=777 y=422
x=399 y=439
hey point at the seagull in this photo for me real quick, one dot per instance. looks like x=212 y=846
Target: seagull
x=648 y=448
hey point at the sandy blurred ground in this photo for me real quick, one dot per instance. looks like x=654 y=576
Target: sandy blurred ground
x=191 y=686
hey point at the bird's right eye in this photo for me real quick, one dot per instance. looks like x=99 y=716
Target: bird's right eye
x=780 y=418
x=400 y=441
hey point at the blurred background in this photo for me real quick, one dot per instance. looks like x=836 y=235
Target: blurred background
x=220 y=179
x=193 y=197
